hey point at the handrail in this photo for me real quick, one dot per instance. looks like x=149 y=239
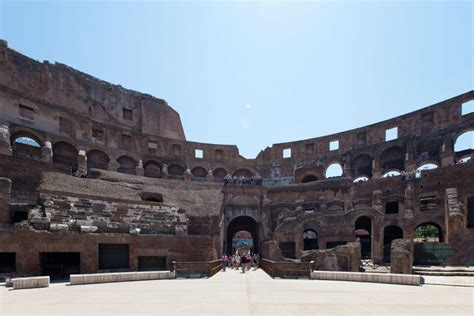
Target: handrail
x=286 y=269
x=200 y=268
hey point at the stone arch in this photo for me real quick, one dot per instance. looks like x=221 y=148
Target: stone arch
x=242 y=223
x=361 y=165
x=176 y=171
x=464 y=141
x=390 y=233
x=309 y=178
x=27 y=145
x=428 y=150
x=391 y=173
x=65 y=153
x=152 y=169
x=219 y=174
x=392 y=158
x=310 y=239
x=246 y=173
x=199 y=173
x=427 y=165
x=428 y=232
x=363 y=231
x=127 y=165
x=334 y=170
x=97 y=159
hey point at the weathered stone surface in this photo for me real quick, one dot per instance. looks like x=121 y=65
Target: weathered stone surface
x=401 y=256
x=271 y=251
x=341 y=258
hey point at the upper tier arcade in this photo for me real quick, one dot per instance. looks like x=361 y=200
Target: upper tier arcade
x=54 y=113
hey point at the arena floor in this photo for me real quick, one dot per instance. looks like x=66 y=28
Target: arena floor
x=233 y=293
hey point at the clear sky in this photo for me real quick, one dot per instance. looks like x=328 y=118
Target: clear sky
x=258 y=73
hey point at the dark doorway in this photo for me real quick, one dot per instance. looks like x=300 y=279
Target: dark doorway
x=242 y=223
x=470 y=212
x=7 y=262
x=59 y=265
x=310 y=240
x=390 y=233
x=113 y=257
x=151 y=263
x=363 y=230
x=309 y=178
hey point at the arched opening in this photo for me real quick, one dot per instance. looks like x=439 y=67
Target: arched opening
x=242 y=172
x=464 y=142
x=428 y=232
x=390 y=233
x=361 y=165
x=363 y=231
x=470 y=212
x=242 y=223
x=428 y=246
x=199 y=174
x=392 y=158
x=19 y=216
x=176 y=172
x=392 y=173
x=426 y=166
x=309 y=178
x=334 y=170
x=97 y=159
x=219 y=174
x=310 y=240
x=242 y=242
x=127 y=165
x=152 y=169
x=65 y=154
x=26 y=146
x=361 y=179
x=428 y=150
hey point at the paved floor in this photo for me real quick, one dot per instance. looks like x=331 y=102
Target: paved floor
x=233 y=293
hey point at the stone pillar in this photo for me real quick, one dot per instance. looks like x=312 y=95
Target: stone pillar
x=113 y=166
x=447 y=151
x=347 y=167
x=5 y=146
x=5 y=191
x=455 y=218
x=164 y=172
x=82 y=162
x=188 y=176
x=377 y=239
x=401 y=256
x=376 y=170
x=47 y=152
x=139 y=170
x=209 y=176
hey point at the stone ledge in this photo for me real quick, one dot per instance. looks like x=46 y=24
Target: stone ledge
x=31 y=282
x=76 y=279
x=392 y=278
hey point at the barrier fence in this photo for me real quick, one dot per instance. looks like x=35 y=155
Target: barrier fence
x=196 y=268
x=286 y=269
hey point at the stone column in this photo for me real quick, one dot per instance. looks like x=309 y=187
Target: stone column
x=5 y=191
x=447 y=152
x=113 y=166
x=164 y=172
x=376 y=170
x=188 y=176
x=82 y=162
x=5 y=146
x=210 y=176
x=47 y=152
x=139 y=170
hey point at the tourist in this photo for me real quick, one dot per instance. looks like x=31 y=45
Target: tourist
x=243 y=262
x=224 y=260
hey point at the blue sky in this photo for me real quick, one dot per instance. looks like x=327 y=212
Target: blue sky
x=258 y=73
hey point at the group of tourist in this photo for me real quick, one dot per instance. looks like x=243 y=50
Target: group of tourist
x=254 y=180
x=244 y=261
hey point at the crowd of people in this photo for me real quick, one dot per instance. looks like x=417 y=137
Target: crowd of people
x=243 y=261
x=254 y=180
